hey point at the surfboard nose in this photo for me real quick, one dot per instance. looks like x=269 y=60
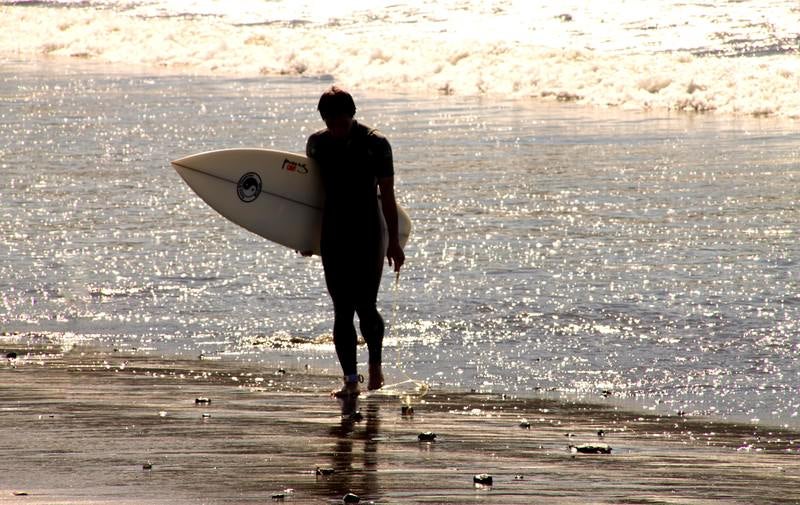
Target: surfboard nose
x=180 y=162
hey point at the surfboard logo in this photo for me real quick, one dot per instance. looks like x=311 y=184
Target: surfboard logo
x=293 y=166
x=249 y=187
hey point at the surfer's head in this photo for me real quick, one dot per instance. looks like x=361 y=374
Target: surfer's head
x=337 y=108
x=336 y=102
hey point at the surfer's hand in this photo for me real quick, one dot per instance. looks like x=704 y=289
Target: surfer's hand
x=395 y=255
x=305 y=254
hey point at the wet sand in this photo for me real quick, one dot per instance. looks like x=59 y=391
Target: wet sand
x=82 y=427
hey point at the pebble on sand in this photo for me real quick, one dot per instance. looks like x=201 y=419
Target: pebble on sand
x=286 y=493
x=483 y=479
x=351 y=498
x=428 y=436
x=591 y=448
x=202 y=400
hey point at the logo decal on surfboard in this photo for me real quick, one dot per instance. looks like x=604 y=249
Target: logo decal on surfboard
x=293 y=166
x=249 y=187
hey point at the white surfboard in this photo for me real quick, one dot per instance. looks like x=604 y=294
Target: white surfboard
x=275 y=194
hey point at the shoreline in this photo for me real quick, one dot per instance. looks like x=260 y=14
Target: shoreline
x=81 y=427
x=324 y=364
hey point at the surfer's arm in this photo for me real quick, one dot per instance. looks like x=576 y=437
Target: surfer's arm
x=394 y=251
x=310 y=152
x=311 y=145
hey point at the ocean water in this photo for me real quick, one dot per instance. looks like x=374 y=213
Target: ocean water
x=732 y=56
x=635 y=254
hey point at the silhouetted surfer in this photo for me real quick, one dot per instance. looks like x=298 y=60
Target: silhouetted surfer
x=355 y=161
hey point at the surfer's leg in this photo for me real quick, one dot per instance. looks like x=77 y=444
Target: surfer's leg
x=344 y=332
x=370 y=321
x=345 y=339
x=372 y=329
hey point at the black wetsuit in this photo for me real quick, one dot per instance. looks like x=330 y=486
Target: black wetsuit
x=353 y=240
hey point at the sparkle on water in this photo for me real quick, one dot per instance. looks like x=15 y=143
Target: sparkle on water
x=555 y=247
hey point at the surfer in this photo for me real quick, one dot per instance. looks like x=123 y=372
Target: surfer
x=355 y=162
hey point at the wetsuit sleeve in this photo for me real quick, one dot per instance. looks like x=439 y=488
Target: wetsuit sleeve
x=311 y=147
x=381 y=155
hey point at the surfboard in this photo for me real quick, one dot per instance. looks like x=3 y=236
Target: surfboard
x=275 y=194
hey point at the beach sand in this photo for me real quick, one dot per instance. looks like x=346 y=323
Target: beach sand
x=80 y=427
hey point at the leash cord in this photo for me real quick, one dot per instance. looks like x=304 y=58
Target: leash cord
x=422 y=386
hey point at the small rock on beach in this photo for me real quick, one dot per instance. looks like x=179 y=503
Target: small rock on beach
x=483 y=479
x=591 y=448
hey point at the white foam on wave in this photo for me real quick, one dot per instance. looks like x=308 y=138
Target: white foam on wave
x=635 y=58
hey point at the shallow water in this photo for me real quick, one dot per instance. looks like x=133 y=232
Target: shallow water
x=650 y=257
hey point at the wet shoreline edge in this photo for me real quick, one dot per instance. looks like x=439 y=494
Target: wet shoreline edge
x=131 y=426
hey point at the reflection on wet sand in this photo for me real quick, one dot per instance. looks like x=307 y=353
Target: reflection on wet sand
x=354 y=458
x=81 y=427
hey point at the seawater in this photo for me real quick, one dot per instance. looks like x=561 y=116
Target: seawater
x=556 y=248
x=579 y=228
x=728 y=55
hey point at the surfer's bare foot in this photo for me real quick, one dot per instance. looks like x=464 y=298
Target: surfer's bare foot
x=350 y=389
x=375 y=377
x=348 y=400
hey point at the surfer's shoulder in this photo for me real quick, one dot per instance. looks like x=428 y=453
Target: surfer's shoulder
x=379 y=145
x=313 y=143
x=368 y=131
x=374 y=138
x=379 y=149
x=317 y=135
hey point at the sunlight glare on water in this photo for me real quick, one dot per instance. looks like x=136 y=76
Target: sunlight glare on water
x=555 y=248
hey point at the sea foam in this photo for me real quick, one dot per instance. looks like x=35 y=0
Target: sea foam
x=517 y=50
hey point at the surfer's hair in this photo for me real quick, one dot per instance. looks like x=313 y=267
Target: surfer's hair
x=336 y=102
